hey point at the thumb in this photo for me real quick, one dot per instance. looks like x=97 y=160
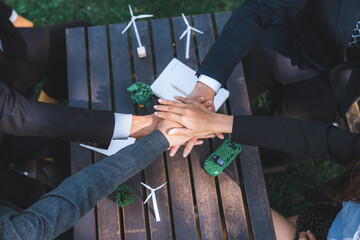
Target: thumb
x=180 y=132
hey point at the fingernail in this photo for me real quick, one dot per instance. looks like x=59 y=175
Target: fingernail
x=171 y=132
x=160 y=100
x=156 y=106
x=185 y=154
x=212 y=135
x=210 y=101
x=210 y=108
x=156 y=113
x=201 y=98
x=308 y=231
x=172 y=153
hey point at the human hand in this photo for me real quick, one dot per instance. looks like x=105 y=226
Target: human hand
x=195 y=117
x=143 y=125
x=306 y=236
x=164 y=126
x=22 y=22
x=203 y=91
x=207 y=95
x=193 y=141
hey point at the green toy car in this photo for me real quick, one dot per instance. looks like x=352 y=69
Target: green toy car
x=222 y=157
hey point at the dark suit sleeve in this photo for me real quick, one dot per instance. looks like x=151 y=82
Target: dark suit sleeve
x=245 y=28
x=61 y=208
x=23 y=117
x=304 y=139
x=5 y=10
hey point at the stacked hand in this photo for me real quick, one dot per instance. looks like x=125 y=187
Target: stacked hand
x=144 y=125
x=205 y=95
x=192 y=118
x=166 y=125
x=195 y=118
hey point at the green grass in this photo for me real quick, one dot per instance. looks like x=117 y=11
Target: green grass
x=296 y=179
x=45 y=12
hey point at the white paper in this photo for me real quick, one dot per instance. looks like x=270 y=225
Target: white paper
x=114 y=147
x=179 y=79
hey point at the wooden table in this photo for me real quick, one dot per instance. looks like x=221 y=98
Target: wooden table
x=193 y=205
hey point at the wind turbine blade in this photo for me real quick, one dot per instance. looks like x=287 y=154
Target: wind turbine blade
x=147 y=199
x=127 y=27
x=185 y=20
x=148 y=187
x=131 y=12
x=184 y=33
x=160 y=186
x=196 y=30
x=144 y=16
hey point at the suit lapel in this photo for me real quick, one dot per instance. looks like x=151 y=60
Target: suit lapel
x=349 y=14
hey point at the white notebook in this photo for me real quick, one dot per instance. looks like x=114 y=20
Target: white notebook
x=114 y=146
x=177 y=79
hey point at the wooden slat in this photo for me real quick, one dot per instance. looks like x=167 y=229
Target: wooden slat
x=155 y=174
x=134 y=217
x=254 y=184
x=179 y=27
x=121 y=68
x=107 y=210
x=162 y=43
x=353 y=118
x=85 y=229
x=179 y=182
x=205 y=188
x=231 y=196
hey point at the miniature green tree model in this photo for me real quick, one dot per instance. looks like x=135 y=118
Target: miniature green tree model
x=123 y=196
x=141 y=94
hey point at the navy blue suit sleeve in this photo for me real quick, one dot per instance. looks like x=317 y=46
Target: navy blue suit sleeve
x=244 y=29
x=304 y=139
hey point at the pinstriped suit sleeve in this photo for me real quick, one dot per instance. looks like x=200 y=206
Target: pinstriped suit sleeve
x=60 y=209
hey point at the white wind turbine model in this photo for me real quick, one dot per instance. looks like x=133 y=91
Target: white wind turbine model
x=152 y=194
x=141 y=49
x=188 y=32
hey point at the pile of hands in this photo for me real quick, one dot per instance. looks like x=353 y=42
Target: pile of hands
x=185 y=122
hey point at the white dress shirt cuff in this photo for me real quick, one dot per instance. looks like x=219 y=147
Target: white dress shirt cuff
x=13 y=16
x=122 y=126
x=210 y=82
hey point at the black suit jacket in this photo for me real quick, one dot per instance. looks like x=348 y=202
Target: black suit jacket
x=23 y=117
x=14 y=64
x=312 y=33
x=304 y=139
